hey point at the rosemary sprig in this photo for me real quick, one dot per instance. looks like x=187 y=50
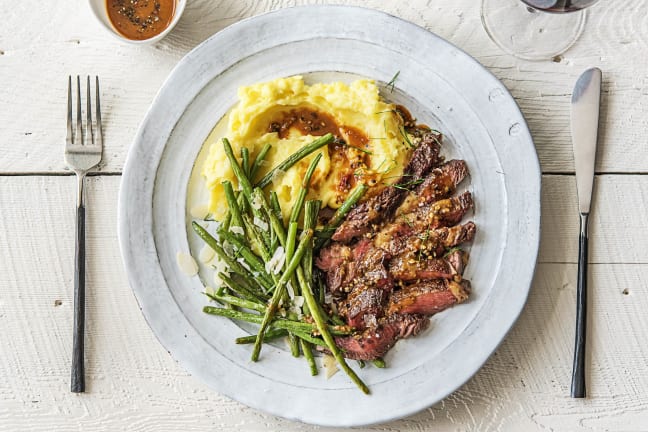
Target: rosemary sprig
x=392 y=82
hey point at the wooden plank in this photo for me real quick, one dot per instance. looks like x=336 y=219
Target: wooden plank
x=133 y=384
x=37 y=55
x=618 y=226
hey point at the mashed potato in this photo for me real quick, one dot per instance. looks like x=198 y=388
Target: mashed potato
x=289 y=114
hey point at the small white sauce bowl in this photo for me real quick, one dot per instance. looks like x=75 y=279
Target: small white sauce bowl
x=98 y=8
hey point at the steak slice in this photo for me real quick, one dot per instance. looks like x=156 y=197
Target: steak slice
x=446 y=212
x=336 y=260
x=439 y=184
x=381 y=206
x=374 y=342
x=428 y=297
x=408 y=268
x=369 y=290
x=397 y=238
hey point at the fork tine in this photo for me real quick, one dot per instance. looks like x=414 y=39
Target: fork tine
x=68 y=136
x=99 y=134
x=89 y=135
x=78 y=137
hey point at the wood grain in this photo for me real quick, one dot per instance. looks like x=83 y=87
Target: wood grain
x=62 y=38
x=133 y=384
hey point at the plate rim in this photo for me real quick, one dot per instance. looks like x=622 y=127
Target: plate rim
x=131 y=161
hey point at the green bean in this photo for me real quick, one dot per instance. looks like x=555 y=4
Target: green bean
x=233 y=265
x=299 y=203
x=311 y=339
x=235 y=212
x=379 y=363
x=293 y=343
x=308 y=354
x=326 y=335
x=296 y=157
x=224 y=298
x=279 y=290
x=278 y=323
x=276 y=206
x=255 y=239
x=226 y=221
x=250 y=258
x=290 y=241
x=243 y=291
x=245 y=161
x=340 y=214
x=244 y=182
x=275 y=222
x=259 y=160
x=270 y=334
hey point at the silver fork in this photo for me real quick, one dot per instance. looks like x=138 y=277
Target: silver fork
x=82 y=152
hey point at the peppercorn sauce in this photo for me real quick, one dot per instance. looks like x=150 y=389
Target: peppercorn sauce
x=140 y=19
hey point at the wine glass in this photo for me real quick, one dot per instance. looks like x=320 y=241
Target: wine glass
x=534 y=29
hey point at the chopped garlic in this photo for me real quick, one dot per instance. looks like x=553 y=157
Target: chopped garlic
x=187 y=264
x=199 y=211
x=206 y=254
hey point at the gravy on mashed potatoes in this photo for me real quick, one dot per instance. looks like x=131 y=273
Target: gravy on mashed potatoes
x=370 y=144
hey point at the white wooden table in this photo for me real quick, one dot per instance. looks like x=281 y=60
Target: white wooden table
x=133 y=384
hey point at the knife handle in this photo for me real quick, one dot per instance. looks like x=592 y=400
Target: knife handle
x=78 y=373
x=578 y=373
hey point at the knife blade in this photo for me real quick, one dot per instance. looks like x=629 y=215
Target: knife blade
x=584 y=128
x=585 y=105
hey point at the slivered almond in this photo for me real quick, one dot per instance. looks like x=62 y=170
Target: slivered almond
x=199 y=211
x=206 y=254
x=187 y=264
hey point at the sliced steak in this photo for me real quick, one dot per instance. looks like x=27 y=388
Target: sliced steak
x=374 y=342
x=380 y=207
x=396 y=238
x=440 y=183
x=408 y=267
x=428 y=297
x=370 y=289
x=336 y=261
x=444 y=213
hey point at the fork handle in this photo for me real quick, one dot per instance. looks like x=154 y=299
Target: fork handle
x=78 y=378
x=578 y=373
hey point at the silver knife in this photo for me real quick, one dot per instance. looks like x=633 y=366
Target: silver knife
x=584 y=129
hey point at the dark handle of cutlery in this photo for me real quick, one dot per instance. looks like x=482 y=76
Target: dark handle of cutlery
x=578 y=373
x=78 y=378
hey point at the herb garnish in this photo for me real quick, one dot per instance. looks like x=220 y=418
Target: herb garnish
x=392 y=82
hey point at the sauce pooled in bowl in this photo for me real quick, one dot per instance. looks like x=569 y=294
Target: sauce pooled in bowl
x=140 y=19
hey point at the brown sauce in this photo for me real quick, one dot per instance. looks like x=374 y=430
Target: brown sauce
x=349 y=152
x=140 y=19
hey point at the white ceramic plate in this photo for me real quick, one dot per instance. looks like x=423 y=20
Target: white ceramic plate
x=444 y=88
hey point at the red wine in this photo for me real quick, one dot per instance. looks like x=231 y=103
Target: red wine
x=559 y=6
